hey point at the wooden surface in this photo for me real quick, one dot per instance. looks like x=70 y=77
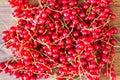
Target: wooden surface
x=116 y=22
x=6 y=20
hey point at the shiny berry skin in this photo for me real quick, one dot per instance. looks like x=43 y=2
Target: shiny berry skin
x=64 y=39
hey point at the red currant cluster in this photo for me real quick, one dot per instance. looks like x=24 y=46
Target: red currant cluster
x=65 y=39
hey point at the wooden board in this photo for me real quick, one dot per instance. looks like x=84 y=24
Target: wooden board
x=116 y=22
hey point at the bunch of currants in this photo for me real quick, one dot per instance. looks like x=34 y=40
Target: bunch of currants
x=65 y=39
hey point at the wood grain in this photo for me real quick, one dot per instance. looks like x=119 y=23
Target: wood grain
x=116 y=9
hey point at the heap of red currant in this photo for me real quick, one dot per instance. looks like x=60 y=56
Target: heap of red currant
x=65 y=39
